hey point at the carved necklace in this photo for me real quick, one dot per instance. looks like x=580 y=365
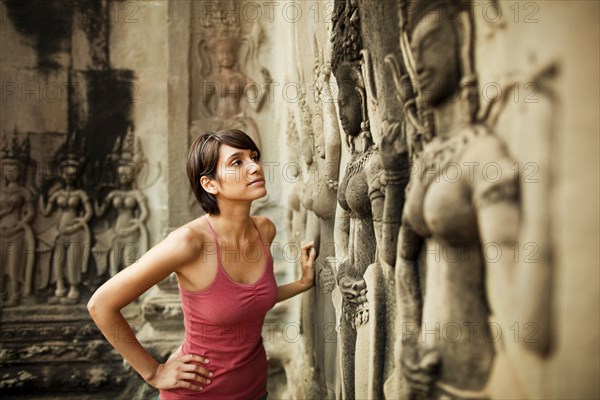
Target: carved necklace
x=358 y=161
x=439 y=153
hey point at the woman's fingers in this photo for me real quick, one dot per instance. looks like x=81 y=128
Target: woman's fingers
x=194 y=358
x=307 y=252
x=190 y=376
x=198 y=369
x=189 y=385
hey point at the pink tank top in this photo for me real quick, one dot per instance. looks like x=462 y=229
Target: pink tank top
x=224 y=323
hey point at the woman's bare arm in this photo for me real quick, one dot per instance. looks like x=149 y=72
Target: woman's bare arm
x=180 y=248
x=307 y=279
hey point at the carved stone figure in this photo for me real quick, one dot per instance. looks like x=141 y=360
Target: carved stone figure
x=296 y=213
x=227 y=91
x=309 y=300
x=17 y=212
x=458 y=217
x=327 y=143
x=127 y=237
x=70 y=238
x=361 y=196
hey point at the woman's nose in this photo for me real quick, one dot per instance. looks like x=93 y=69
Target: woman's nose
x=253 y=168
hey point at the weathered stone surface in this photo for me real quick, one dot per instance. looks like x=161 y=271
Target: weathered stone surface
x=530 y=67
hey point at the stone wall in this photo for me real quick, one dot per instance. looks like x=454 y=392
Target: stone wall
x=443 y=155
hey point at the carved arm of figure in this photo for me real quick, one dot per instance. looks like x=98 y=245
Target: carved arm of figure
x=353 y=290
x=28 y=213
x=47 y=208
x=331 y=132
x=420 y=370
x=209 y=89
x=258 y=92
x=517 y=290
x=394 y=157
x=100 y=207
x=332 y=148
x=5 y=210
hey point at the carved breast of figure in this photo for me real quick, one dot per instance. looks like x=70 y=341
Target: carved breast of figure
x=13 y=200
x=353 y=195
x=65 y=200
x=307 y=198
x=120 y=201
x=439 y=199
x=324 y=201
x=74 y=201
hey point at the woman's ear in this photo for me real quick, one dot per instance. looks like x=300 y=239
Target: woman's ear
x=208 y=185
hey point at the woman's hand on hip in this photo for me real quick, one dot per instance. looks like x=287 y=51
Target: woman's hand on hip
x=185 y=372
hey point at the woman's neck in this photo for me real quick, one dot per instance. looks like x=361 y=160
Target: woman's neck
x=450 y=117
x=233 y=222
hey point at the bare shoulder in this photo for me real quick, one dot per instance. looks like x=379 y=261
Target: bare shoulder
x=189 y=239
x=193 y=236
x=266 y=227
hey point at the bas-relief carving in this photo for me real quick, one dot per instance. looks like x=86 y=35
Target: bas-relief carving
x=327 y=152
x=126 y=237
x=460 y=216
x=361 y=196
x=227 y=92
x=296 y=213
x=70 y=237
x=433 y=132
x=48 y=222
x=226 y=89
x=17 y=212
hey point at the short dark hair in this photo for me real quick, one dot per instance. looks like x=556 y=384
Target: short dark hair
x=203 y=157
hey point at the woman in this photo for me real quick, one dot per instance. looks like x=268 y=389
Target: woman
x=225 y=274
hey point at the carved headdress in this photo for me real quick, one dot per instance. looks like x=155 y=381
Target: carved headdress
x=346 y=54
x=222 y=25
x=71 y=153
x=14 y=152
x=127 y=151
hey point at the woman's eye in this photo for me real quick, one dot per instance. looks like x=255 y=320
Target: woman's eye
x=235 y=163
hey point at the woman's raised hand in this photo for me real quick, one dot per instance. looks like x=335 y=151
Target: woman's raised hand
x=182 y=372
x=307 y=261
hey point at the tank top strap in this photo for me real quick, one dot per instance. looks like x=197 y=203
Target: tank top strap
x=266 y=250
x=258 y=230
x=215 y=238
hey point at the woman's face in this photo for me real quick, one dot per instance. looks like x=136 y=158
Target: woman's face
x=225 y=53
x=240 y=175
x=350 y=107
x=10 y=172
x=435 y=47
